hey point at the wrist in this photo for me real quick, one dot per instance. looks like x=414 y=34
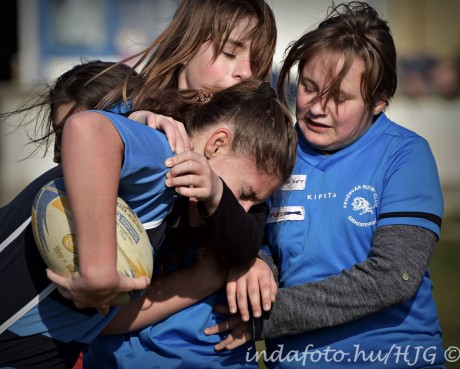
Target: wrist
x=212 y=203
x=100 y=279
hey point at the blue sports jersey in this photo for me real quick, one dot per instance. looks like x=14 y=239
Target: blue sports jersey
x=177 y=342
x=142 y=179
x=322 y=222
x=142 y=187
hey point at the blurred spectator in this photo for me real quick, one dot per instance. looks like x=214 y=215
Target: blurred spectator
x=427 y=75
x=445 y=79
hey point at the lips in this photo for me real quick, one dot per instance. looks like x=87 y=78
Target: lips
x=315 y=126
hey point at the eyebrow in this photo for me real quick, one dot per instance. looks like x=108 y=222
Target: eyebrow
x=346 y=94
x=235 y=43
x=304 y=79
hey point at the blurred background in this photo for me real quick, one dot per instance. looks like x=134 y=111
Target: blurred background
x=43 y=38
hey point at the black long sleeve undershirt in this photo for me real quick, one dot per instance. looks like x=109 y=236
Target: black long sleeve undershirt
x=238 y=235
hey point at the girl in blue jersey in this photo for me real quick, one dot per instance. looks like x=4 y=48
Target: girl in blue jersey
x=108 y=143
x=223 y=129
x=246 y=137
x=80 y=88
x=353 y=230
x=234 y=41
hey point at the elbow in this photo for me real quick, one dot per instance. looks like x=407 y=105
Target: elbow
x=402 y=286
x=409 y=284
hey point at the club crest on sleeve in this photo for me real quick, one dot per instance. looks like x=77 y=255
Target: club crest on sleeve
x=360 y=204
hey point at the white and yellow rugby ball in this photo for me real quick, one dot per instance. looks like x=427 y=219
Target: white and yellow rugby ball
x=54 y=234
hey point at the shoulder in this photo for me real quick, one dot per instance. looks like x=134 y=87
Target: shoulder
x=403 y=141
x=121 y=122
x=401 y=133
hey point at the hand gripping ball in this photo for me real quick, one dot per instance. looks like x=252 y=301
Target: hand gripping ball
x=54 y=234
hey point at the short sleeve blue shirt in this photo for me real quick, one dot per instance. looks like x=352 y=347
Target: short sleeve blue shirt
x=323 y=220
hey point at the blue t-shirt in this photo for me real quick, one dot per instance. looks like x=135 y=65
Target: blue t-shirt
x=323 y=221
x=177 y=342
x=142 y=187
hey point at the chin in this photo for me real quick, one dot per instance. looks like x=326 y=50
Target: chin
x=321 y=146
x=312 y=139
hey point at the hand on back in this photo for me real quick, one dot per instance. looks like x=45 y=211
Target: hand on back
x=173 y=129
x=254 y=284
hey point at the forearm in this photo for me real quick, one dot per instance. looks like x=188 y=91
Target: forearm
x=237 y=234
x=168 y=294
x=92 y=153
x=392 y=274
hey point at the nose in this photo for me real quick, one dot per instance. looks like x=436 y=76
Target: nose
x=317 y=107
x=242 y=69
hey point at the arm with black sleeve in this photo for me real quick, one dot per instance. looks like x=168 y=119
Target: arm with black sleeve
x=238 y=235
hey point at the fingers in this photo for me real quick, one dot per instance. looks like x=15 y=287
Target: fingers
x=255 y=284
x=231 y=296
x=224 y=326
x=238 y=336
x=242 y=301
x=56 y=278
x=268 y=291
x=62 y=283
x=274 y=289
x=237 y=298
x=74 y=288
x=191 y=176
x=130 y=284
x=179 y=163
x=266 y=294
x=254 y=291
x=186 y=144
x=174 y=131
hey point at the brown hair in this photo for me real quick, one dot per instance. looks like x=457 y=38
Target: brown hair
x=83 y=86
x=196 y=22
x=262 y=131
x=262 y=125
x=350 y=30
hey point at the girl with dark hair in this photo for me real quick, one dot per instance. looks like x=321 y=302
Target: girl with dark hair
x=235 y=41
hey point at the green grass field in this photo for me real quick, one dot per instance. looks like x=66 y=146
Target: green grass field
x=445 y=274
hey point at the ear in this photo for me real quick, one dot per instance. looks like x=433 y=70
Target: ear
x=219 y=143
x=380 y=106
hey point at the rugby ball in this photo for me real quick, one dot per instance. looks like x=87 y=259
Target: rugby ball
x=53 y=230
